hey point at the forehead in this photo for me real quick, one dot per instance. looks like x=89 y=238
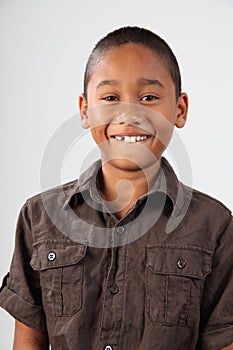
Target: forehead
x=128 y=59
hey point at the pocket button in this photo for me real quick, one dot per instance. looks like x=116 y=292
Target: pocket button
x=51 y=256
x=181 y=263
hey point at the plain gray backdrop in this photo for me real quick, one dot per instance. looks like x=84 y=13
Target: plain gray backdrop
x=44 y=47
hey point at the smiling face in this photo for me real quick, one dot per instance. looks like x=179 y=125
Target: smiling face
x=131 y=106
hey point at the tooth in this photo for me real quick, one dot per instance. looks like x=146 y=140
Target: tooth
x=127 y=138
x=133 y=139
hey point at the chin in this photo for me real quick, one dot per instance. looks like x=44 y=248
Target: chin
x=125 y=164
x=131 y=157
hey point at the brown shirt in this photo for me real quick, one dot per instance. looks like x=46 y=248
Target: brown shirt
x=160 y=278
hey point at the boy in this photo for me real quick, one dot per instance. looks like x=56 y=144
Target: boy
x=127 y=257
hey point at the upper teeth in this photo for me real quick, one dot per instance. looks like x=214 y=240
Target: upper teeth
x=131 y=138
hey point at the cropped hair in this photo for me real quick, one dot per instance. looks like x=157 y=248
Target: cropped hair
x=139 y=36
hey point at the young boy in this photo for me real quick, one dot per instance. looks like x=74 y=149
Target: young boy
x=127 y=257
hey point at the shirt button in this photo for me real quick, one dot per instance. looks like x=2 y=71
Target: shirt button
x=108 y=347
x=181 y=263
x=114 y=289
x=120 y=229
x=51 y=256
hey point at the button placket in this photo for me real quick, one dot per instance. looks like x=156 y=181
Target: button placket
x=114 y=301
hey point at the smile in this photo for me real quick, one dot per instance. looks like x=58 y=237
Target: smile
x=131 y=139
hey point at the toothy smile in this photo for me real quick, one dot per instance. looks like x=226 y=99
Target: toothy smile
x=131 y=139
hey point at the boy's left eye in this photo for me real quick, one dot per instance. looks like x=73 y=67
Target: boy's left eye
x=149 y=98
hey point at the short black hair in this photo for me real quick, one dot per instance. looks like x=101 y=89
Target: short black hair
x=139 y=36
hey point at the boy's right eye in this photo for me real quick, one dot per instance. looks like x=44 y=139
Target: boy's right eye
x=110 y=98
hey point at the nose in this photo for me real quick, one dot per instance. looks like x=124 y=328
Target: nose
x=129 y=115
x=129 y=119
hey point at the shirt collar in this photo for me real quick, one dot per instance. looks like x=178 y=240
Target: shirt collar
x=166 y=182
x=87 y=181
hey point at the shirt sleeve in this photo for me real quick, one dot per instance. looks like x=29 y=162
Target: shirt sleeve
x=216 y=327
x=20 y=294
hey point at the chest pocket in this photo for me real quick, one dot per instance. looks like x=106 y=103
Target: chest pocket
x=174 y=283
x=60 y=265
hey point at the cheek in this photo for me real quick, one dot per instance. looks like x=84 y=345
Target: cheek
x=158 y=148
x=99 y=133
x=163 y=127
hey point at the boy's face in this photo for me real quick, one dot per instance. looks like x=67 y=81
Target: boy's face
x=131 y=106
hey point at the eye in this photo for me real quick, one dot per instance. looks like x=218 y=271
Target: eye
x=110 y=98
x=149 y=98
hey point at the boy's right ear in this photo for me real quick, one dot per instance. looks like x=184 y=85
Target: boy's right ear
x=82 y=102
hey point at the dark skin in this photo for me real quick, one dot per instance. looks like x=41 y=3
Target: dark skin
x=124 y=85
x=135 y=76
x=27 y=338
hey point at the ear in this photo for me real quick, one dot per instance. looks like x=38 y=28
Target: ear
x=82 y=102
x=182 y=110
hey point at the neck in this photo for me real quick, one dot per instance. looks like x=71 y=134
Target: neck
x=121 y=187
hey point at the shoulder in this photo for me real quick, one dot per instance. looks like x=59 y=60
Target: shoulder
x=195 y=206
x=212 y=203
x=58 y=194
x=206 y=211
x=61 y=194
x=46 y=211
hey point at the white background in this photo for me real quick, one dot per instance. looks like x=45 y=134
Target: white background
x=44 y=47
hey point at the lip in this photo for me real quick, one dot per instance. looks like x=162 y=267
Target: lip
x=132 y=133
x=121 y=134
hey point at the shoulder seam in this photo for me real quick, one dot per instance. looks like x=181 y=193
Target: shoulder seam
x=52 y=190
x=209 y=197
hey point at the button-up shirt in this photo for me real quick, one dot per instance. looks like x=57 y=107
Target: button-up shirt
x=161 y=277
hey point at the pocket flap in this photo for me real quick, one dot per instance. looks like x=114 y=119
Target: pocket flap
x=182 y=260
x=50 y=254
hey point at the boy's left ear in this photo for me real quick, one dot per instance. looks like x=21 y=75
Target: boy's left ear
x=82 y=102
x=182 y=110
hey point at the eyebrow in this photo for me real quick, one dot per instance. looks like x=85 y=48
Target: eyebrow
x=106 y=83
x=155 y=82
x=142 y=81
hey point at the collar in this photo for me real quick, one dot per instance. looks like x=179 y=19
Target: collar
x=166 y=182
